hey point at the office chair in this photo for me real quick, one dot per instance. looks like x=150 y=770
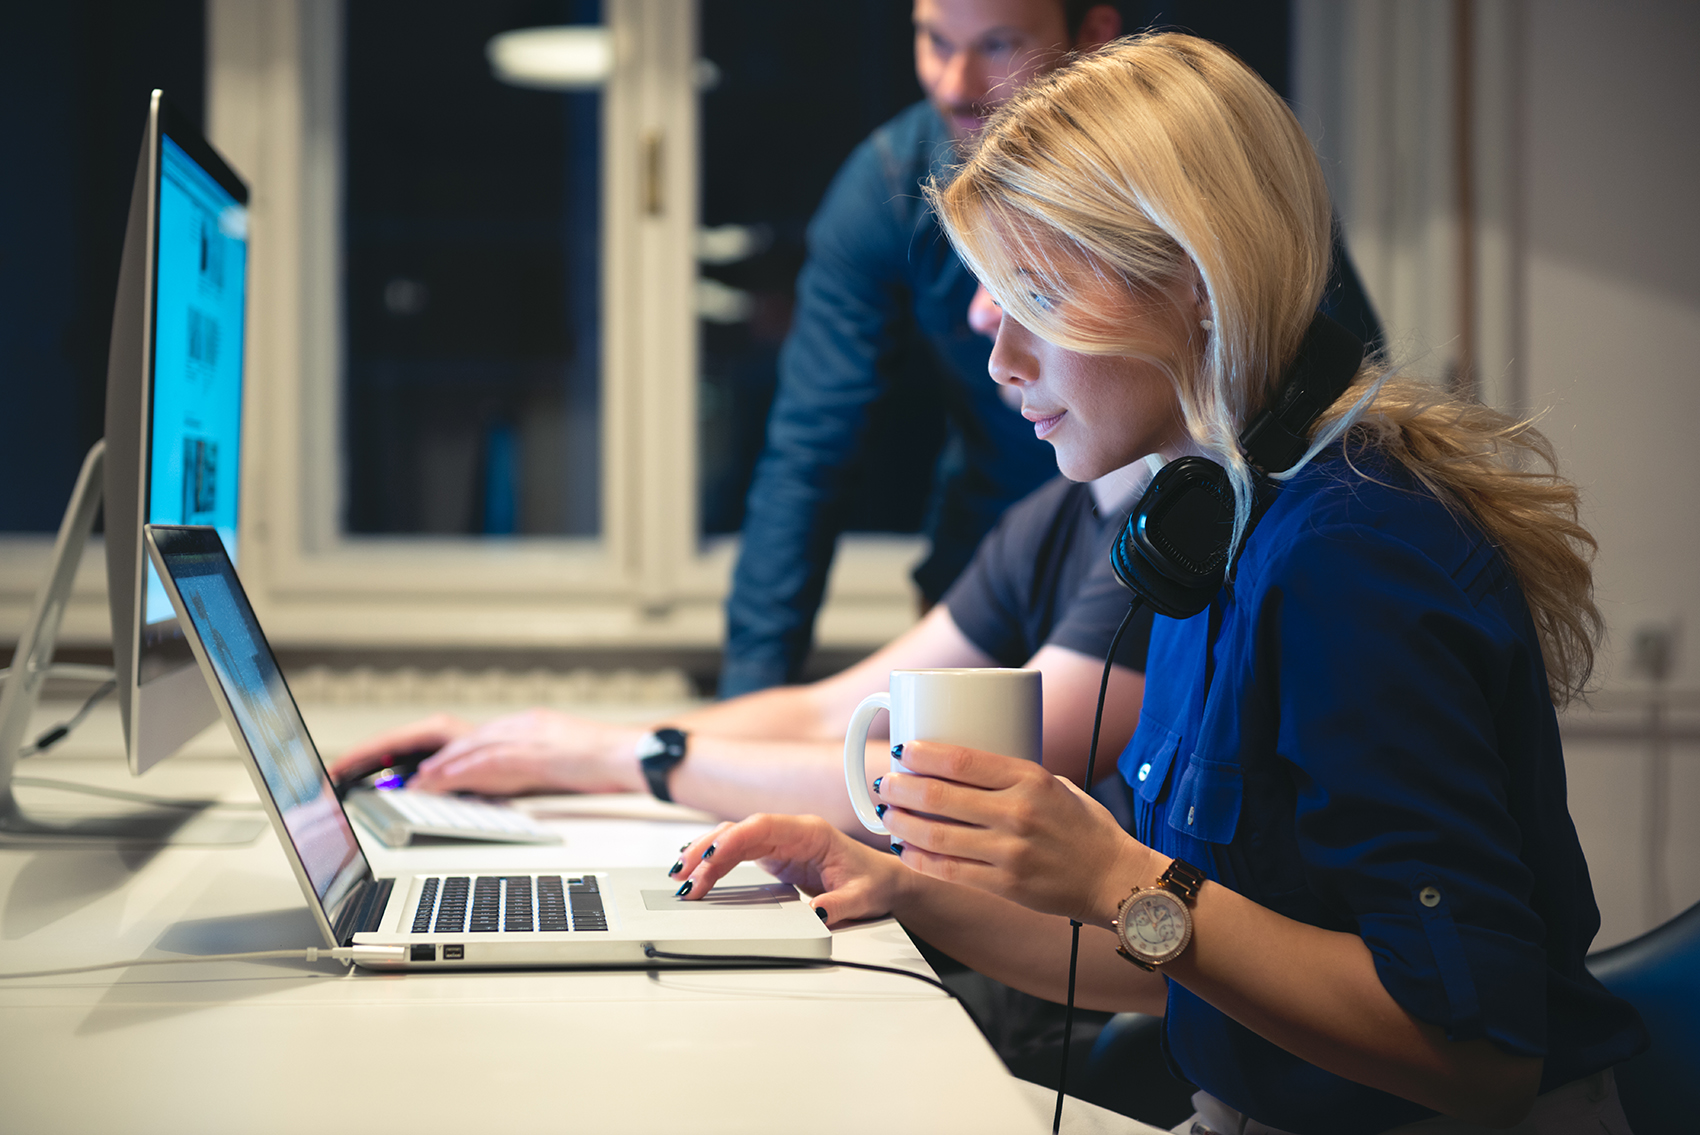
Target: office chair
x=1659 y=974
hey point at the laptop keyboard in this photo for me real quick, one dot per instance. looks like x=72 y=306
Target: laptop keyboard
x=508 y=904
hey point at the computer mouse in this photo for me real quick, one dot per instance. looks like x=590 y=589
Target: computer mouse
x=396 y=771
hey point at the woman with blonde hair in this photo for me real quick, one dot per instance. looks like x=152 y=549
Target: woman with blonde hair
x=1352 y=888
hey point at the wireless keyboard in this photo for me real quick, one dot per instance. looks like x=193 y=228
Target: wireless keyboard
x=398 y=816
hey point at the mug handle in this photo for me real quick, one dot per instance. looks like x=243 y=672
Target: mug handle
x=856 y=759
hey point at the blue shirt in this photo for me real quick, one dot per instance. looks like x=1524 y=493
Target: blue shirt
x=1357 y=734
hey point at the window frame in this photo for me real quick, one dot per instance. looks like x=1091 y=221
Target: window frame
x=649 y=580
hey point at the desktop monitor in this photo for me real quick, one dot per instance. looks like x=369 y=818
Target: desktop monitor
x=173 y=413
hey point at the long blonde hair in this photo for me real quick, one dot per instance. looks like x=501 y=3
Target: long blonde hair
x=1162 y=159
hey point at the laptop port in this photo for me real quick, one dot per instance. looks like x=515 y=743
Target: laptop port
x=425 y=953
x=453 y=953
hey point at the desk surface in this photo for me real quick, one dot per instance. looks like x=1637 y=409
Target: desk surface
x=288 y=1046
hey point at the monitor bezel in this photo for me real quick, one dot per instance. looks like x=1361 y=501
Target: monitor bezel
x=163 y=703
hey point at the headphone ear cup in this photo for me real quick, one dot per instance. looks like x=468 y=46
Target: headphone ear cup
x=1173 y=550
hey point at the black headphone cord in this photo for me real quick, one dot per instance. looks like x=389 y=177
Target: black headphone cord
x=1074 y=948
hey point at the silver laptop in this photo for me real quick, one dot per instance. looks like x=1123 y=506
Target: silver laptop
x=579 y=915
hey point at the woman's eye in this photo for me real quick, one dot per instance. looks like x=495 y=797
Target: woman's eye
x=1043 y=303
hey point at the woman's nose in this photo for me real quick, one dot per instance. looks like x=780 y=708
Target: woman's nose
x=963 y=83
x=1011 y=363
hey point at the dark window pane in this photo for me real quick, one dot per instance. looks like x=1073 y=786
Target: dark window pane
x=782 y=117
x=79 y=72
x=472 y=398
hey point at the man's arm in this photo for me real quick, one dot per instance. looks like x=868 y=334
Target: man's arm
x=849 y=297
x=777 y=750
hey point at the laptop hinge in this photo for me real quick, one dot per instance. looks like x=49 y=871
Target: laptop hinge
x=362 y=910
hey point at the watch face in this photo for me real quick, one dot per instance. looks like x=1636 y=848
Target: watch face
x=1155 y=925
x=651 y=746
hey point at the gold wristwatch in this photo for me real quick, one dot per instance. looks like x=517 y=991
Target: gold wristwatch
x=1153 y=925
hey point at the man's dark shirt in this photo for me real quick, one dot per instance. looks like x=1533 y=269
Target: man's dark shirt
x=1042 y=576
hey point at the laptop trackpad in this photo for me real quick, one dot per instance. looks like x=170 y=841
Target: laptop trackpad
x=725 y=898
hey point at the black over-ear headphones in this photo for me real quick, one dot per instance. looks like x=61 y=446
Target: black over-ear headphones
x=1173 y=551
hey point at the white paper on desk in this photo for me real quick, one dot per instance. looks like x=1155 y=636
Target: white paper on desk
x=609 y=806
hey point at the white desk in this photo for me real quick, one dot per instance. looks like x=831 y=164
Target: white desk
x=292 y=1047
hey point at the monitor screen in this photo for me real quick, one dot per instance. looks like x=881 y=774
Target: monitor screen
x=265 y=713
x=196 y=432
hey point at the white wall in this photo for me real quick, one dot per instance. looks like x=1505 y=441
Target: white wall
x=1613 y=293
x=1611 y=184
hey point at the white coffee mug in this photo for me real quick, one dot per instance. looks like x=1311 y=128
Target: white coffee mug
x=995 y=710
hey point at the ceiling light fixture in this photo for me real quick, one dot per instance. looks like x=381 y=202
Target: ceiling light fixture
x=553 y=59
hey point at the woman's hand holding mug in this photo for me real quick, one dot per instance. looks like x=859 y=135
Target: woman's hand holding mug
x=994 y=710
x=1009 y=827
x=967 y=799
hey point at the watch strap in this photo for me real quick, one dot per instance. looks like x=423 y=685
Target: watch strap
x=1183 y=879
x=659 y=753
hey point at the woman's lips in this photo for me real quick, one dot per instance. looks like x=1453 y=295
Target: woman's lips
x=1043 y=423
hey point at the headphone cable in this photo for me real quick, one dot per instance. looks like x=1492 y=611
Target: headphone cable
x=1074 y=947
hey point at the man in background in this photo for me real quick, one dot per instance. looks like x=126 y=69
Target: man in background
x=880 y=272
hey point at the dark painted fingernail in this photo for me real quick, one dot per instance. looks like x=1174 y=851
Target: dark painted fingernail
x=682 y=847
x=877 y=780
x=709 y=852
x=897 y=849
x=820 y=913
x=674 y=870
x=897 y=751
x=879 y=810
x=684 y=890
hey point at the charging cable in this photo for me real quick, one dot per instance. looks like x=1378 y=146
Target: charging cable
x=59 y=732
x=348 y=955
x=649 y=951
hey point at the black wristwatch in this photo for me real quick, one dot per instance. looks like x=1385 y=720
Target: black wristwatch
x=658 y=753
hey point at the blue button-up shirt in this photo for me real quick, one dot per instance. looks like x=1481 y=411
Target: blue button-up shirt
x=1357 y=734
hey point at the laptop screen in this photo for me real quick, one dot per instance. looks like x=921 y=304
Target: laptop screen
x=220 y=617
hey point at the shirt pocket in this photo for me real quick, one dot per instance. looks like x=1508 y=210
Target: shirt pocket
x=1207 y=801
x=1149 y=772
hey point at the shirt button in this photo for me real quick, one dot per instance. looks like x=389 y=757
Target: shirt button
x=1189 y=814
x=1144 y=770
x=1430 y=896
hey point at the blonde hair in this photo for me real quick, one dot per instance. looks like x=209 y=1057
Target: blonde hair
x=1162 y=161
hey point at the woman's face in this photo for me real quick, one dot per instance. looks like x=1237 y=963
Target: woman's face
x=1100 y=412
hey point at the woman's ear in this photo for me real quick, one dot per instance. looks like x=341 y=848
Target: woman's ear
x=1193 y=286
x=1200 y=295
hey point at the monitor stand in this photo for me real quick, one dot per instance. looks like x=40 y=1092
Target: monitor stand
x=182 y=822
